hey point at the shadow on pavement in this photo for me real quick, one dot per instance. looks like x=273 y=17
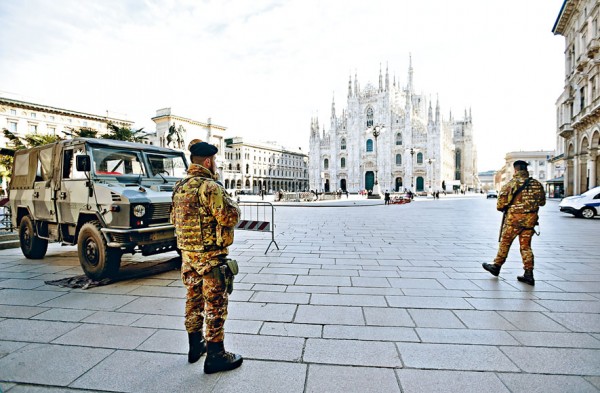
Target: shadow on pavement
x=126 y=272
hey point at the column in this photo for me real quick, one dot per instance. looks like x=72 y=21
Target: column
x=576 y=176
x=592 y=168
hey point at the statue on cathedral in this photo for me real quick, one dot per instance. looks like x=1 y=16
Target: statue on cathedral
x=175 y=136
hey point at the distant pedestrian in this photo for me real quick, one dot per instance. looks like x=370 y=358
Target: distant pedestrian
x=520 y=200
x=386 y=197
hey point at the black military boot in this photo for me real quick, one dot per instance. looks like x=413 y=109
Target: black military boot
x=527 y=277
x=492 y=268
x=197 y=346
x=217 y=359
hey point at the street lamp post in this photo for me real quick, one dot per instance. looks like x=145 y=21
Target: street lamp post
x=431 y=174
x=376 y=133
x=412 y=169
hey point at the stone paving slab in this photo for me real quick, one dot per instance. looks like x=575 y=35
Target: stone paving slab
x=435 y=381
x=555 y=360
x=536 y=383
x=352 y=352
x=138 y=371
x=33 y=331
x=105 y=336
x=324 y=378
x=49 y=364
x=455 y=357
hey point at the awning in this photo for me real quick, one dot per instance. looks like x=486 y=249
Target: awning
x=556 y=180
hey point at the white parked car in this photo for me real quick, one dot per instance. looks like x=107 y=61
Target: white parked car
x=492 y=194
x=586 y=205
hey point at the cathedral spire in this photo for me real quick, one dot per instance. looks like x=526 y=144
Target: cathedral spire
x=356 y=92
x=387 y=77
x=437 y=109
x=333 y=106
x=350 y=86
x=470 y=118
x=380 y=79
x=410 y=74
x=430 y=113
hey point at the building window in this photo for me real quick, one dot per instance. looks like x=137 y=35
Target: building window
x=581 y=98
x=398 y=139
x=51 y=131
x=343 y=144
x=370 y=117
x=12 y=127
x=33 y=115
x=398 y=159
x=419 y=158
x=326 y=163
x=369 y=145
x=33 y=128
x=13 y=112
x=343 y=162
x=542 y=175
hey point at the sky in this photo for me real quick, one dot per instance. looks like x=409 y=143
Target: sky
x=264 y=68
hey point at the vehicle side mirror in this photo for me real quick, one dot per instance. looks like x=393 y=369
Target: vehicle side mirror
x=83 y=163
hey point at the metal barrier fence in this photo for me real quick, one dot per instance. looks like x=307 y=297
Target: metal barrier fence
x=260 y=217
x=5 y=219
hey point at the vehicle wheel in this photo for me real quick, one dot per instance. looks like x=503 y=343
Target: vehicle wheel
x=32 y=246
x=96 y=259
x=587 y=212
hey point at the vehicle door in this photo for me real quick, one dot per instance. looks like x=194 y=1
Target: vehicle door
x=43 y=194
x=72 y=194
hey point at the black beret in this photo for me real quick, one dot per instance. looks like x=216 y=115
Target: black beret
x=203 y=149
x=520 y=163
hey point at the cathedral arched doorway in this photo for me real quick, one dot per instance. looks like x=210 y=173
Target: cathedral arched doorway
x=326 y=185
x=398 y=186
x=226 y=183
x=420 y=184
x=343 y=185
x=369 y=180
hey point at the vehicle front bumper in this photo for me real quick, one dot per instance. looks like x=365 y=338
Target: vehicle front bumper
x=569 y=209
x=130 y=238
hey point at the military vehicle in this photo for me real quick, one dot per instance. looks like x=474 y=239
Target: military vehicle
x=107 y=197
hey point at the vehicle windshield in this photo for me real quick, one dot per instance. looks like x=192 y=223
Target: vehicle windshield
x=592 y=192
x=167 y=165
x=117 y=162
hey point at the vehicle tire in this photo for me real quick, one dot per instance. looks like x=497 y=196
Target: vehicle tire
x=587 y=212
x=32 y=246
x=96 y=259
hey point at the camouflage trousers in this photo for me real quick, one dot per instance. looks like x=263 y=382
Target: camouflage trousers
x=509 y=233
x=206 y=300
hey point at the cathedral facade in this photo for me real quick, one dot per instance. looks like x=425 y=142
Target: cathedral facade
x=390 y=138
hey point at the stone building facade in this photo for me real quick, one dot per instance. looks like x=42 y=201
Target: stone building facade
x=390 y=135
x=22 y=118
x=243 y=164
x=578 y=107
x=539 y=166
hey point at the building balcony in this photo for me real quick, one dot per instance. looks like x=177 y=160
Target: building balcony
x=565 y=131
x=593 y=47
x=582 y=61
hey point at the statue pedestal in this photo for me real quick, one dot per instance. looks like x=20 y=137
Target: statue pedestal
x=376 y=194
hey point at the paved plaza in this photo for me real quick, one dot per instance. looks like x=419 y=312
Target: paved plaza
x=360 y=297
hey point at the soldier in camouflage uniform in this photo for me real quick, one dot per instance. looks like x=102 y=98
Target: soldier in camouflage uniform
x=520 y=200
x=204 y=217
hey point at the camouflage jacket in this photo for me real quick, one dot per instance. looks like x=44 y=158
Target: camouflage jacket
x=203 y=214
x=523 y=210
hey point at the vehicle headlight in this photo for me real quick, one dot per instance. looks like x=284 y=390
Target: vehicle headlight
x=139 y=210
